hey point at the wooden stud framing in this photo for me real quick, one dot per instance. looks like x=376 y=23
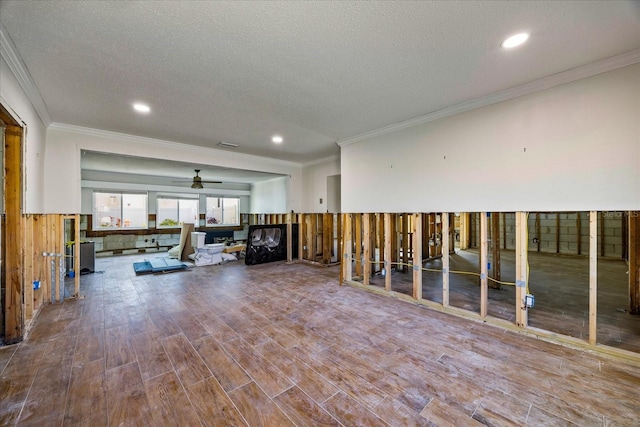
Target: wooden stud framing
x=504 y=230
x=405 y=241
x=302 y=230
x=446 y=233
x=340 y=227
x=538 y=230
x=522 y=235
x=357 y=238
x=13 y=255
x=634 y=262
x=347 y=248
x=593 y=275
x=312 y=243
x=602 y=240
x=388 y=238
x=417 y=255
x=484 y=291
x=327 y=238
x=366 y=238
x=625 y=235
x=289 y=237
x=495 y=249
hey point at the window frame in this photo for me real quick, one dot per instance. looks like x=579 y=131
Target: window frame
x=97 y=223
x=178 y=198
x=223 y=223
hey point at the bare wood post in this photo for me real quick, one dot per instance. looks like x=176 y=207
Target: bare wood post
x=625 y=235
x=28 y=251
x=339 y=232
x=446 y=232
x=387 y=251
x=289 y=238
x=538 y=229
x=405 y=241
x=593 y=275
x=634 y=262
x=348 y=247
x=366 y=222
x=313 y=237
x=13 y=256
x=522 y=235
x=357 y=237
x=495 y=242
x=417 y=256
x=302 y=230
x=327 y=237
x=484 y=291
x=602 y=240
x=504 y=230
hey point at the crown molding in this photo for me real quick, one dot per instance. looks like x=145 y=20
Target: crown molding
x=608 y=64
x=322 y=160
x=168 y=144
x=9 y=53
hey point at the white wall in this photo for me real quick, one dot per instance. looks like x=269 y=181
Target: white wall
x=270 y=196
x=14 y=99
x=582 y=142
x=314 y=182
x=62 y=168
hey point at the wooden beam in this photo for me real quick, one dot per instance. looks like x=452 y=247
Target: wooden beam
x=289 y=238
x=357 y=238
x=602 y=246
x=348 y=247
x=484 y=291
x=327 y=238
x=302 y=230
x=634 y=262
x=495 y=248
x=28 y=251
x=388 y=246
x=366 y=222
x=538 y=230
x=522 y=236
x=504 y=230
x=625 y=235
x=13 y=255
x=313 y=237
x=405 y=241
x=380 y=243
x=76 y=260
x=417 y=256
x=593 y=275
x=446 y=233
x=339 y=219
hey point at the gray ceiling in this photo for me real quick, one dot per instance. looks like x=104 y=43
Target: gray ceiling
x=313 y=72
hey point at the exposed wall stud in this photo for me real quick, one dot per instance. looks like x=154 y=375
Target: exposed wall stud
x=484 y=291
x=593 y=275
x=446 y=232
x=417 y=255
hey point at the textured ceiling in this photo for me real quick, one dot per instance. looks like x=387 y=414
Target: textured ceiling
x=314 y=72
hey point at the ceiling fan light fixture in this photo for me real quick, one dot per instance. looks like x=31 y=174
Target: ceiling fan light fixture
x=197 y=185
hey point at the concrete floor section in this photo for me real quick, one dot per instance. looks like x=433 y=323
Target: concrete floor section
x=560 y=284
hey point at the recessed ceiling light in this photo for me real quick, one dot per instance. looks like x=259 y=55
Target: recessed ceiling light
x=277 y=139
x=515 y=40
x=141 y=108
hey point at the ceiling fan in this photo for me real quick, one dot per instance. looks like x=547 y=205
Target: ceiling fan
x=197 y=181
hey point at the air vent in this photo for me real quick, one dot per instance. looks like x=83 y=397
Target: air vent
x=227 y=144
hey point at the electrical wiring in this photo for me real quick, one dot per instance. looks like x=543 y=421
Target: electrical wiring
x=438 y=270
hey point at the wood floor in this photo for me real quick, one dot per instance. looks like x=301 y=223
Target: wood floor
x=279 y=344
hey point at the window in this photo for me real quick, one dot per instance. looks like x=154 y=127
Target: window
x=117 y=210
x=173 y=211
x=223 y=211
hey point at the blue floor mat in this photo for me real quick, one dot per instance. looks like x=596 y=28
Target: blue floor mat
x=158 y=265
